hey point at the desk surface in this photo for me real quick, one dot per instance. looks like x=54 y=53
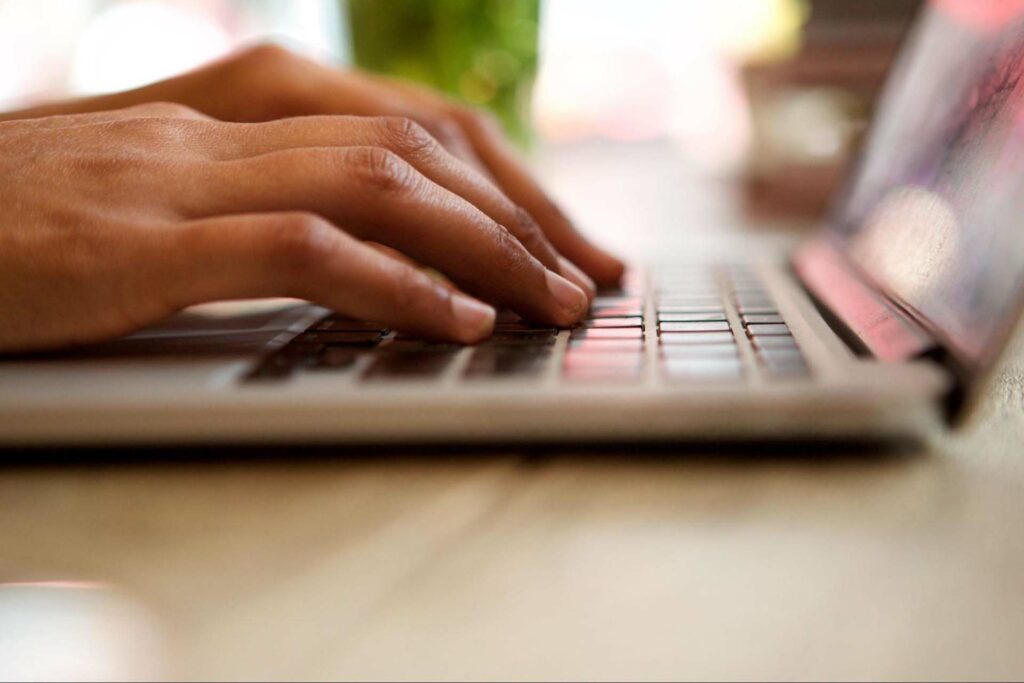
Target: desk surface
x=811 y=562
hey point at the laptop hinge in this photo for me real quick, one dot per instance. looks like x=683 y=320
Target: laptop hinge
x=877 y=323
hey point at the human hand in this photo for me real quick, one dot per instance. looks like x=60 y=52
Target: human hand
x=268 y=82
x=114 y=220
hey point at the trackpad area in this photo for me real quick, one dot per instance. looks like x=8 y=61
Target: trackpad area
x=226 y=326
x=199 y=348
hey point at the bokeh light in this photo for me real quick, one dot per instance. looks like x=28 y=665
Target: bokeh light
x=133 y=43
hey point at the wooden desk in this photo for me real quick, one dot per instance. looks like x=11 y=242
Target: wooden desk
x=810 y=562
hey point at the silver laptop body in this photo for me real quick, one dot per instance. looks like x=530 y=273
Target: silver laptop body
x=884 y=324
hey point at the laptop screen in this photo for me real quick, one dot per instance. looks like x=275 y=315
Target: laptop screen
x=934 y=212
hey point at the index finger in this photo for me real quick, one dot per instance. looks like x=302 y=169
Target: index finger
x=513 y=176
x=414 y=144
x=376 y=195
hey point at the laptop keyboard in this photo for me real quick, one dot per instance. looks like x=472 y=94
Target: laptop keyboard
x=696 y=324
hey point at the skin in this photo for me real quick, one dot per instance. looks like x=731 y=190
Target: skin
x=266 y=174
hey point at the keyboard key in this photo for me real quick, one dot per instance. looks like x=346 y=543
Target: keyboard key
x=271 y=370
x=747 y=310
x=607 y=301
x=788 y=372
x=761 y=318
x=615 y=312
x=298 y=355
x=602 y=367
x=609 y=375
x=690 y=317
x=701 y=368
x=704 y=277
x=780 y=354
x=689 y=292
x=700 y=351
x=694 y=327
x=283 y=363
x=751 y=298
x=688 y=301
x=789 y=368
x=415 y=344
x=765 y=308
x=782 y=361
x=606 y=345
x=748 y=289
x=421 y=364
x=774 y=330
x=632 y=321
x=340 y=338
x=672 y=310
x=335 y=358
x=591 y=360
x=342 y=324
x=522 y=326
x=683 y=338
x=507 y=361
x=522 y=338
x=687 y=274
x=774 y=342
x=608 y=333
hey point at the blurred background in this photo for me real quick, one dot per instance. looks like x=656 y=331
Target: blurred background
x=770 y=94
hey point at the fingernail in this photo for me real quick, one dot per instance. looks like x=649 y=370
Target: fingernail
x=475 y=317
x=578 y=277
x=569 y=296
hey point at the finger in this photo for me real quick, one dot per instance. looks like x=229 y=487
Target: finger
x=366 y=95
x=512 y=175
x=310 y=88
x=151 y=110
x=303 y=255
x=414 y=144
x=376 y=195
x=515 y=179
x=395 y=254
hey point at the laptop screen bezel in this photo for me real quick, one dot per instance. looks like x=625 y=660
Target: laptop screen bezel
x=972 y=373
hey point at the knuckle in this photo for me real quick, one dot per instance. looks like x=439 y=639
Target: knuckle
x=450 y=134
x=478 y=118
x=510 y=258
x=380 y=169
x=266 y=54
x=173 y=110
x=440 y=125
x=298 y=242
x=408 y=289
x=130 y=129
x=528 y=231
x=406 y=136
x=276 y=82
x=110 y=164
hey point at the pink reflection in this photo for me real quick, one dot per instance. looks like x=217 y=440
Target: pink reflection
x=989 y=15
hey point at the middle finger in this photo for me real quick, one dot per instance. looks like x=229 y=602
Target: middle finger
x=376 y=195
x=414 y=144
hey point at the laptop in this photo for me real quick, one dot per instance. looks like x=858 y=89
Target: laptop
x=884 y=324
